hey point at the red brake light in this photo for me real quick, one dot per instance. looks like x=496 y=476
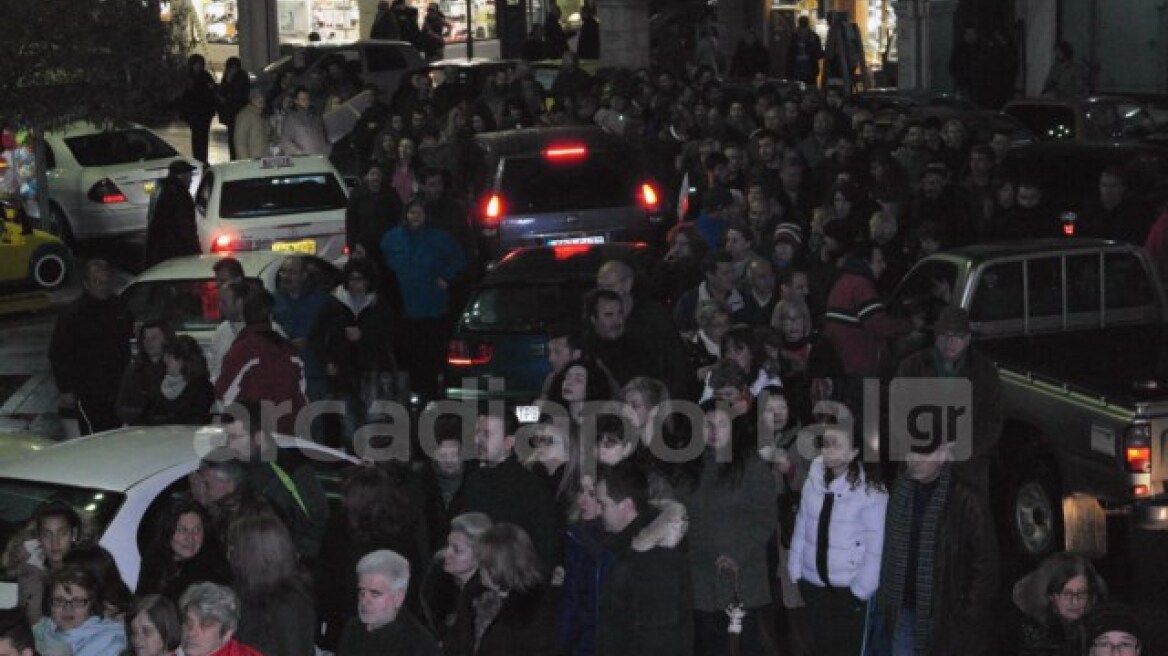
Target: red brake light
x=491 y=213
x=565 y=152
x=104 y=191
x=567 y=251
x=461 y=353
x=346 y=250
x=1139 y=490
x=648 y=196
x=221 y=243
x=1139 y=459
x=1069 y=229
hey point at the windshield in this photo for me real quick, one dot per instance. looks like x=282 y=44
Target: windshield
x=602 y=179
x=523 y=307
x=19 y=501
x=276 y=196
x=123 y=147
x=185 y=305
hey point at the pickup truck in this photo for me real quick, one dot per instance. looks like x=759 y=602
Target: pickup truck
x=1077 y=330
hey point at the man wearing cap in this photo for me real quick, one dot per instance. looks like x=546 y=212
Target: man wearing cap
x=951 y=356
x=170 y=229
x=1114 y=630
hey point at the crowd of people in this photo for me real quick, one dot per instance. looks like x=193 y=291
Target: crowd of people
x=571 y=534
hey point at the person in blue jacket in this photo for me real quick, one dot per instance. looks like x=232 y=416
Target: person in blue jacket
x=426 y=260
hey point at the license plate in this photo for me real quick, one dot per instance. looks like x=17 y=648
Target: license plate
x=595 y=239
x=305 y=246
x=148 y=187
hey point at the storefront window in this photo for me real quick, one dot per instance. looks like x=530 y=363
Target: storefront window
x=332 y=20
x=482 y=17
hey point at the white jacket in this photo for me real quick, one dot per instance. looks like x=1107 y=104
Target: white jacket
x=855 y=537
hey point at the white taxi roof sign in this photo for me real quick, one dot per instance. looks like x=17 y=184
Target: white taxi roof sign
x=280 y=162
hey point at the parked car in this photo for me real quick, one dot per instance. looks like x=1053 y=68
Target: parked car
x=285 y=204
x=381 y=62
x=564 y=185
x=502 y=331
x=101 y=178
x=1068 y=171
x=30 y=257
x=1092 y=118
x=183 y=290
x=1076 y=328
x=124 y=480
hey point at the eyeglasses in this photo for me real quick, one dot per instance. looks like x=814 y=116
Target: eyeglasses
x=1125 y=648
x=1074 y=597
x=70 y=604
x=543 y=440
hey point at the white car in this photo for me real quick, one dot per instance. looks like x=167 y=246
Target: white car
x=283 y=204
x=101 y=180
x=182 y=290
x=123 y=480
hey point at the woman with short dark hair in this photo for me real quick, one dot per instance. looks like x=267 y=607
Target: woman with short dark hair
x=185 y=393
x=1050 y=607
x=74 y=623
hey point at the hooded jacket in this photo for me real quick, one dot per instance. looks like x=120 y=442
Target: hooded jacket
x=263 y=365
x=855 y=534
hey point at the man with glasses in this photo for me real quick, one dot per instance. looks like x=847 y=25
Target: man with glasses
x=952 y=357
x=1114 y=630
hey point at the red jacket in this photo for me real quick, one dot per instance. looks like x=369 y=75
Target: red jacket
x=856 y=323
x=263 y=366
x=236 y=648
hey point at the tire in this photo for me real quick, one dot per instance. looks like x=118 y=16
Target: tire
x=59 y=227
x=49 y=266
x=1035 y=511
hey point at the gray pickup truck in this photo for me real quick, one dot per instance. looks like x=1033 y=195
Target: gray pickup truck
x=1077 y=329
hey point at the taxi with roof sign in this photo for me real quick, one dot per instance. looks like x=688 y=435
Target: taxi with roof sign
x=283 y=204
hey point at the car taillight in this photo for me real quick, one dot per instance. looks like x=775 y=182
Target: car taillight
x=104 y=191
x=223 y=243
x=1137 y=458
x=567 y=152
x=491 y=213
x=648 y=197
x=461 y=353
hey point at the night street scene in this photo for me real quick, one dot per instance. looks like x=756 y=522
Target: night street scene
x=584 y=328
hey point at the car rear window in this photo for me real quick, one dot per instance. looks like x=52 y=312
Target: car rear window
x=1047 y=123
x=523 y=307
x=184 y=304
x=279 y=195
x=120 y=147
x=19 y=501
x=537 y=185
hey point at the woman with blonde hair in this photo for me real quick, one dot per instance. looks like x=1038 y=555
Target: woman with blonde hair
x=453 y=577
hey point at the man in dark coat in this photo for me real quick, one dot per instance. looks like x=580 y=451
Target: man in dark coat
x=939 y=573
x=90 y=350
x=498 y=486
x=382 y=625
x=645 y=594
x=171 y=230
x=588 y=41
x=952 y=357
x=1115 y=213
x=555 y=42
x=385 y=24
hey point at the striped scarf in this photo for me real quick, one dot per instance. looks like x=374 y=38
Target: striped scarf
x=896 y=549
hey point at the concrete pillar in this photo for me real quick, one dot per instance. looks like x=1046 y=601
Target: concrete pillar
x=367 y=10
x=1041 y=23
x=259 y=39
x=924 y=42
x=624 y=32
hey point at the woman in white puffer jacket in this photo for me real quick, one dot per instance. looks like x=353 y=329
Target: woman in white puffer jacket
x=836 y=608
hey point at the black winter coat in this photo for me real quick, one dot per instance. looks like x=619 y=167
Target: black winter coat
x=369 y=216
x=172 y=231
x=90 y=348
x=372 y=352
x=526 y=624
x=162 y=575
x=192 y=406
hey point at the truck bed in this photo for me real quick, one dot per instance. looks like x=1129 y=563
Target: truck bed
x=1124 y=365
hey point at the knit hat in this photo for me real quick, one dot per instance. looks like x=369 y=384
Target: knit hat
x=952 y=319
x=1112 y=617
x=790 y=233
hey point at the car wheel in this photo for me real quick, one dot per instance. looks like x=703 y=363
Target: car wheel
x=49 y=266
x=1036 y=511
x=59 y=225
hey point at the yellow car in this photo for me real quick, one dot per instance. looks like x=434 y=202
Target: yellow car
x=31 y=257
